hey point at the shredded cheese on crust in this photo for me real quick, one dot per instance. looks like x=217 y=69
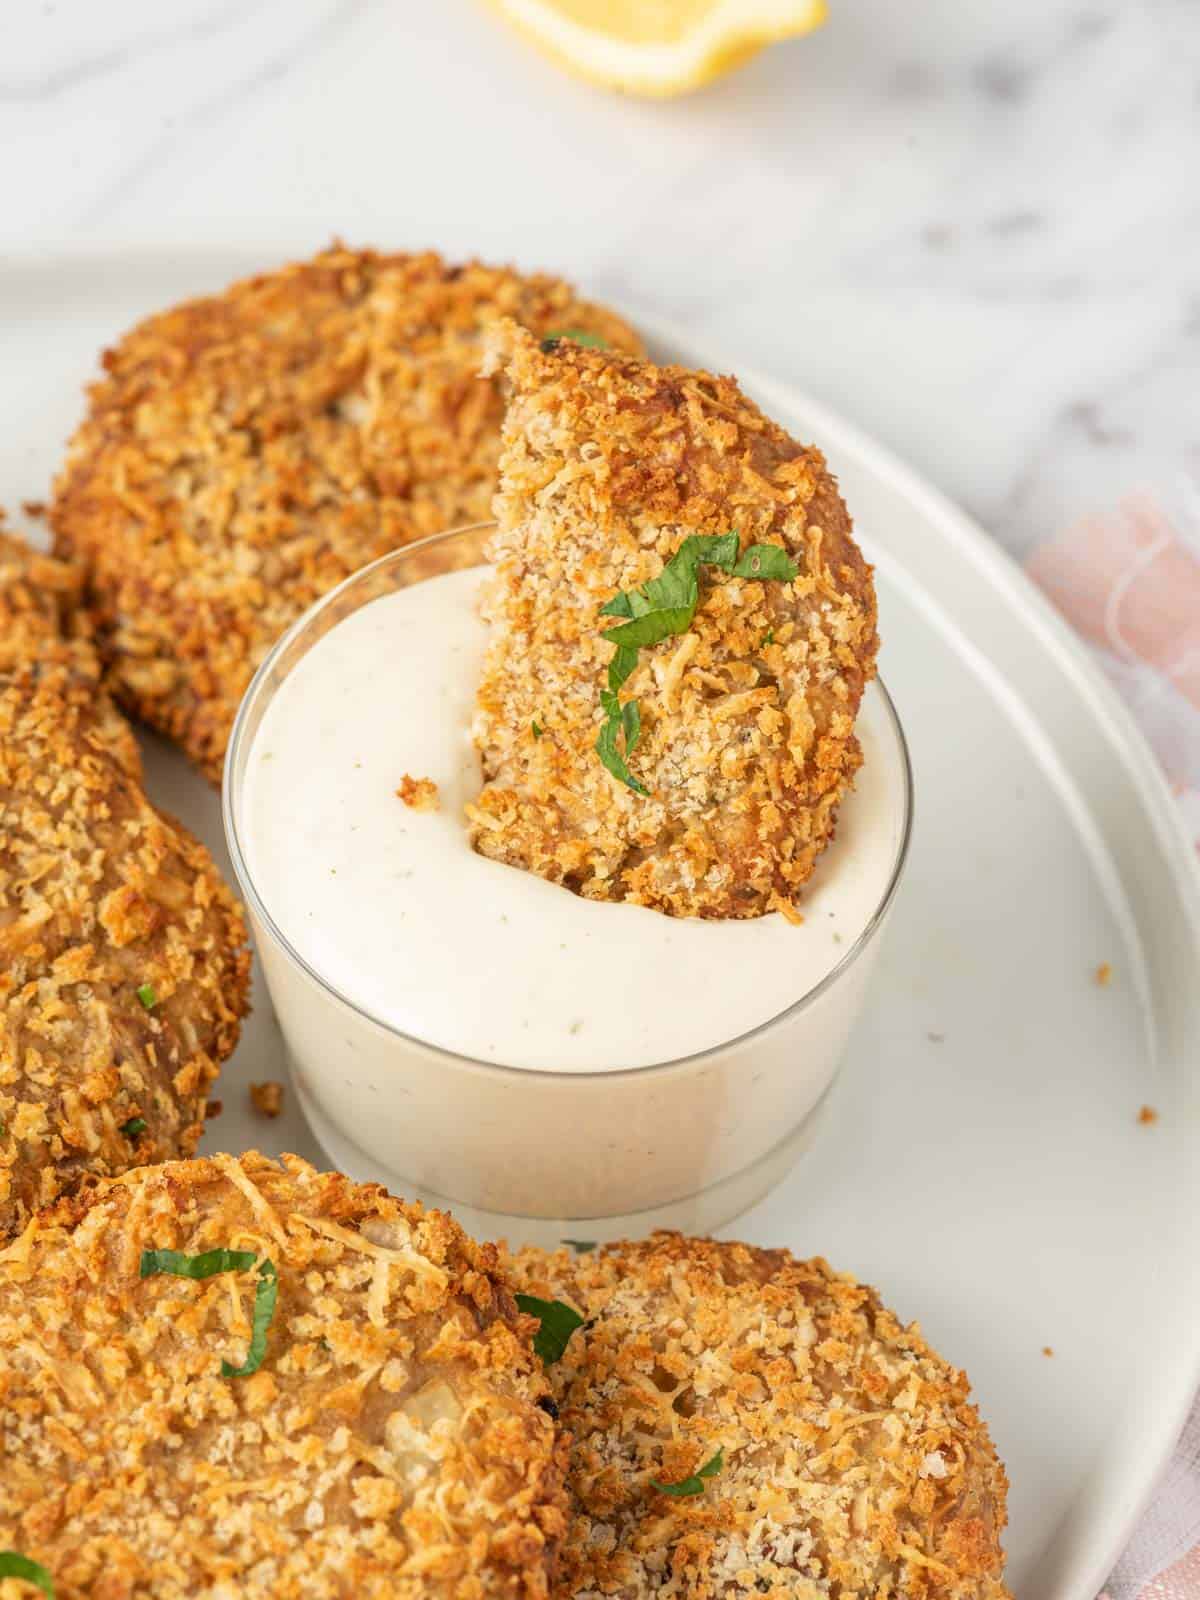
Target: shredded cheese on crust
x=371 y=1454
x=828 y=1412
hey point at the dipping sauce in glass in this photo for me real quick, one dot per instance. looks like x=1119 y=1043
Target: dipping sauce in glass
x=398 y=912
x=434 y=964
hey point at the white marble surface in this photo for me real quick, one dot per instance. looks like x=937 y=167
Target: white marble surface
x=973 y=228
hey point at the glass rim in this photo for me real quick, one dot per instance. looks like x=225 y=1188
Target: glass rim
x=229 y=814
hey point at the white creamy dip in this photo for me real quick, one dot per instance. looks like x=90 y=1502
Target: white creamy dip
x=397 y=913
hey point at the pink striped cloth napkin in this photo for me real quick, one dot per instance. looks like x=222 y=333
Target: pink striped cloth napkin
x=1130 y=583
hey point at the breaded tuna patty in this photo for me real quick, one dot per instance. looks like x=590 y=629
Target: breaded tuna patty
x=123 y=961
x=843 y=1460
x=612 y=471
x=245 y=452
x=388 y=1445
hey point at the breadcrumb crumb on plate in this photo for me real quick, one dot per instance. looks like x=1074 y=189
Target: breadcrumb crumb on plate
x=419 y=794
x=852 y=1462
x=123 y=962
x=245 y=452
x=267 y=1098
x=747 y=740
x=390 y=1444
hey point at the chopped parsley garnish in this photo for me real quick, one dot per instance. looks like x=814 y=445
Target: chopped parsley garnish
x=265 y=1297
x=13 y=1565
x=206 y=1265
x=535 y=729
x=147 y=996
x=768 y=638
x=660 y=608
x=695 y=1484
x=765 y=563
x=581 y=1247
x=625 y=720
x=558 y=1323
x=592 y=341
x=131 y=1129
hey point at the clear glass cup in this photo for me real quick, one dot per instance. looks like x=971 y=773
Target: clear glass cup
x=539 y=1155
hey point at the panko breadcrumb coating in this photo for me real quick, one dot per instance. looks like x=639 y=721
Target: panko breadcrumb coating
x=852 y=1464
x=40 y=609
x=747 y=718
x=123 y=961
x=42 y=624
x=390 y=1446
x=245 y=452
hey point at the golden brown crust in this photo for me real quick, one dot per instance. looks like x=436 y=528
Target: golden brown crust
x=42 y=622
x=245 y=452
x=853 y=1463
x=39 y=607
x=747 y=740
x=100 y=895
x=389 y=1447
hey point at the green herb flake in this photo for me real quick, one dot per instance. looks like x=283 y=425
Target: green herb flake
x=694 y=1485
x=147 y=996
x=558 y=1323
x=133 y=1127
x=13 y=1565
x=590 y=341
x=622 y=664
x=265 y=1297
x=581 y=1247
x=207 y=1265
x=536 y=729
x=765 y=561
x=665 y=605
x=660 y=608
x=611 y=757
x=767 y=638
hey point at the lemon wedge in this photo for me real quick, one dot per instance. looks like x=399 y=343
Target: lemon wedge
x=657 y=47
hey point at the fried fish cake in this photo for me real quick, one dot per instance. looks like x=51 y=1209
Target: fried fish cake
x=746 y=1423
x=123 y=961
x=746 y=744
x=246 y=452
x=387 y=1445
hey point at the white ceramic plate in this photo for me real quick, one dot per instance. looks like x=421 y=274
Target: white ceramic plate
x=984 y=1164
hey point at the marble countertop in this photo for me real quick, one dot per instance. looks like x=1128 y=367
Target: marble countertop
x=974 y=229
